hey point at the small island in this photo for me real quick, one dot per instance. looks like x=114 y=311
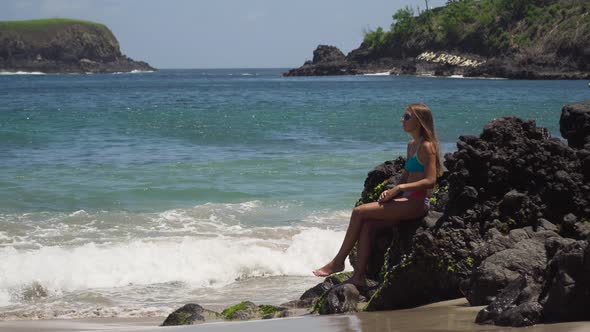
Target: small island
x=62 y=46
x=514 y=39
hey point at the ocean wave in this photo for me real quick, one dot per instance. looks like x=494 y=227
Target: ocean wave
x=134 y=71
x=198 y=262
x=21 y=73
x=277 y=220
x=385 y=73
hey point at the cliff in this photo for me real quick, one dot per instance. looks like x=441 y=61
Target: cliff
x=62 y=46
x=540 y=39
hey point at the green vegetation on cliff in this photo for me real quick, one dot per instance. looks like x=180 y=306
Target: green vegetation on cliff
x=32 y=25
x=488 y=28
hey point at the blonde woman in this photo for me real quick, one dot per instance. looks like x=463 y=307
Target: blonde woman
x=405 y=201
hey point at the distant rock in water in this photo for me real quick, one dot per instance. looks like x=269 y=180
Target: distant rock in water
x=62 y=46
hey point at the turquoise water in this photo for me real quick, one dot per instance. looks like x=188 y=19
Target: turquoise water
x=109 y=181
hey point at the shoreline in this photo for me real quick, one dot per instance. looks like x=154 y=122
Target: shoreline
x=452 y=315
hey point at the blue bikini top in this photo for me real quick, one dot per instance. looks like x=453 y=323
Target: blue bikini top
x=413 y=164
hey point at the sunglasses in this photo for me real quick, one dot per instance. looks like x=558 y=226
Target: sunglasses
x=406 y=117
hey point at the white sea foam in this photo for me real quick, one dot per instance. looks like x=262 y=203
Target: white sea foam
x=136 y=71
x=198 y=262
x=385 y=73
x=21 y=73
x=102 y=264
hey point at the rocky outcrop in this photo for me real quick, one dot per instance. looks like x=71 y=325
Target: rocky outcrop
x=62 y=46
x=511 y=233
x=327 y=61
x=486 y=38
x=434 y=63
x=574 y=126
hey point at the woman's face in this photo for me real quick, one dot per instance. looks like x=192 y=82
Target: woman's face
x=409 y=121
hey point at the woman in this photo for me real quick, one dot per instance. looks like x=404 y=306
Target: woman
x=405 y=201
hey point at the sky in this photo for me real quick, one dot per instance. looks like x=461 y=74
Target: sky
x=223 y=33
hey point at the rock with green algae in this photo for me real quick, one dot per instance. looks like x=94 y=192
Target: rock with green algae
x=189 y=314
x=247 y=310
x=312 y=295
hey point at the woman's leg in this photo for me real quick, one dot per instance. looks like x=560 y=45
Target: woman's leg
x=352 y=234
x=381 y=213
x=398 y=210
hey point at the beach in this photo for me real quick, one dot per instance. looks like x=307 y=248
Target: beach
x=124 y=197
x=454 y=315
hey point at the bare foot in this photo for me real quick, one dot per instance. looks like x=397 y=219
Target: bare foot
x=328 y=269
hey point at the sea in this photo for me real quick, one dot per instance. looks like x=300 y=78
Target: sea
x=132 y=194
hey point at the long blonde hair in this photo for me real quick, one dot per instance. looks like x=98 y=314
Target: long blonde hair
x=424 y=116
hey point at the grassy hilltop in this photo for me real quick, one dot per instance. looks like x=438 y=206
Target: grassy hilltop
x=43 y=24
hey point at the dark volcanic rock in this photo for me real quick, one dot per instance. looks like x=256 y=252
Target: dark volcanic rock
x=340 y=299
x=574 y=125
x=188 y=314
x=566 y=293
x=327 y=54
x=327 y=60
x=504 y=259
x=520 y=175
x=507 y=309
x=312 y=295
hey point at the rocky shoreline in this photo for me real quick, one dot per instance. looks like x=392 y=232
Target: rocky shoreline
x=62 y=46
x=508 y=229
x=330 y=61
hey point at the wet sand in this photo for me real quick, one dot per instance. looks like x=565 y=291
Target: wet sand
x=454 y=315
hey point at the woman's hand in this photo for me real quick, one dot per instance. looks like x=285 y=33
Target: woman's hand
x=389 y=194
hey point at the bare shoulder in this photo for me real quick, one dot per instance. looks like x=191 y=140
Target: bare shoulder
x=427 y=145
x=427 y=149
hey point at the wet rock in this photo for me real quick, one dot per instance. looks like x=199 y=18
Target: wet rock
x=566 y=294
x=340 y=299
x=247 y=310
x=189 y=314
x=513 y=306
x=312 y=295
